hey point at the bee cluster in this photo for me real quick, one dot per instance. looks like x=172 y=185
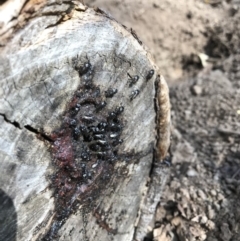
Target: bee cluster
x=85 y=147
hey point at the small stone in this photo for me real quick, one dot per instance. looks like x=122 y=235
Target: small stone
x=174 y=184
x=210 y=225
x=229 y=180
x=203 y=237
x=196 y=219
x=217 y=206
x=184 y=180
x=216 y=177
x=211 y=213
x=213 y=192
x=182 y=210
x=220 y=197
x=192 y=192
x=226 y=233
x=176 y=133
x=188 y=114
x=176 y=213
x=169 y=217
x=201 y=194
x=228 y=192
x=176 y=221
x=197 y=90
x=204 y=219
x=178 y=196
x=160 y=214
x=224 y=203
x=192 y=173
x=199 y=168
x=195 y=210
x=185 y=193
x=161 y=233
x=231 y=140
x=197 y=232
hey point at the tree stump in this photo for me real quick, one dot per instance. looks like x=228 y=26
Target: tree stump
x=84 y=126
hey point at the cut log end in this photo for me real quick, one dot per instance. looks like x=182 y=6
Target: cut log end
x=78 y=106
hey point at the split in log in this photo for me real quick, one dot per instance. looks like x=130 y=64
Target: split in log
x=85 y=123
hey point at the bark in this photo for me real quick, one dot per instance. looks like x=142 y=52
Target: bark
x=58 y=61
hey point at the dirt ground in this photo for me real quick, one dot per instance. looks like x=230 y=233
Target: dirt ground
x=202 y=198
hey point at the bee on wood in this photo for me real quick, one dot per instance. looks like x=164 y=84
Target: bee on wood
x=84 y=68
x=100 y=105
x=134 y=94
x=133 y=80
x=110 y=92
x=150 y=74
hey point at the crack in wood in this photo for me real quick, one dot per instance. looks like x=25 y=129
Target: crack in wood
x=14 y=123
x=41 y=135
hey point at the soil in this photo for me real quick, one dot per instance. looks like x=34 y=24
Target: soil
x=196 y=45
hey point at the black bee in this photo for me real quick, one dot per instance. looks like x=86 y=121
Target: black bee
x=150 y=74
x=85 y=133
x=117 y=142
x=88 y=118
x=102 y=125
x=95 y=147
x=76 y=133
x=72 y=123
x=133 y=80
x=87 y=79
x=111 y=158
x=95 y=130
x=119 y=110
x=134 y=94
x=100 y=105
x=114 y=135
x=102 y=142
x=99 y=136
x=96 y=92
x=115 y=127
x=112 y=115
x=85 y=68
x=85 y=156
x=84 y=130
x=110 y=92
x=75 y=109
x=101 y=155
x=167 y=161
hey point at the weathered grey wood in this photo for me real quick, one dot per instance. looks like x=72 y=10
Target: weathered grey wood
x=38 y=79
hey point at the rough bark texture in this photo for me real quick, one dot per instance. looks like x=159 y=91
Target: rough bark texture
x=43 y=55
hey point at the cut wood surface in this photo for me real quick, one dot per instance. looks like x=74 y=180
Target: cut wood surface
x=59 y=63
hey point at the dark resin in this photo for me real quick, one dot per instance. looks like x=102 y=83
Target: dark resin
x=84 y=149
